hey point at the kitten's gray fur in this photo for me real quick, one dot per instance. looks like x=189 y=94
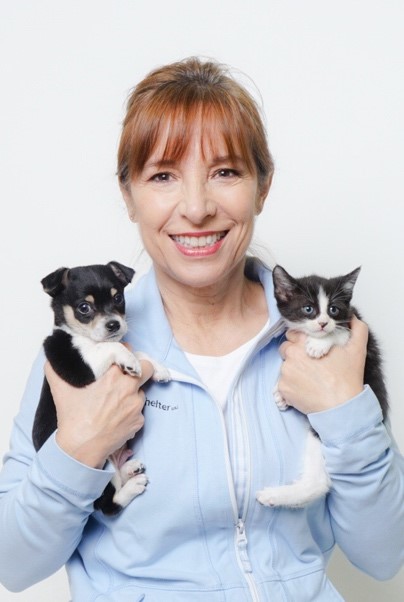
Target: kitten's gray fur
x=321 y=308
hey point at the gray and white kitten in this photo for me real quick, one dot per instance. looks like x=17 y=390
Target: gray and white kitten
x=321 y=308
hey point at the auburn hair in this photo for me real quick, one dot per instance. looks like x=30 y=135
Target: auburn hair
x=172 y=98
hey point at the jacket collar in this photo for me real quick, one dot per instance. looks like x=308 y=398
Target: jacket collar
x=149 y=328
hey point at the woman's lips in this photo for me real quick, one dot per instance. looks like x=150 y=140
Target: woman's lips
x=205 y=243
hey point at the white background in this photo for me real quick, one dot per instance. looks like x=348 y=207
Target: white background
x=331 y=80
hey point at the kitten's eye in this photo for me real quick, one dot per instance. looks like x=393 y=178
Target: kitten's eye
x=333 y=311
x=308 y=310
x=118 y=299
x=84 y=308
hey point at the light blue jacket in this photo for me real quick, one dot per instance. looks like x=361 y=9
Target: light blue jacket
x=184 y=539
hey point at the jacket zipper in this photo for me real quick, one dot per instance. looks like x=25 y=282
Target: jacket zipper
x=241 y=541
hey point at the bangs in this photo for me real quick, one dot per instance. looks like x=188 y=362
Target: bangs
x=175 y=123
x=171 y=102
x=219 y=126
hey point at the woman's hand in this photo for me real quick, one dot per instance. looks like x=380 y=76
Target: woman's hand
x=96 y=420
x=314 y=385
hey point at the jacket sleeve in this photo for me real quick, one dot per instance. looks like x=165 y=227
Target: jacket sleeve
x=366 y=502
x=45 y=499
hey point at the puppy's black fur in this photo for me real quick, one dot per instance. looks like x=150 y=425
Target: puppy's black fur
x=89 y=309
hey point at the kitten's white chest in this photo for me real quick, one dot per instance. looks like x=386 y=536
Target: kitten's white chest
x=317 y=347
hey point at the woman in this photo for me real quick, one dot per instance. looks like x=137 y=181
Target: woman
x=194 y=169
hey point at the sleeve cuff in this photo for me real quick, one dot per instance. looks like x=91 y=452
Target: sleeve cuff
x=349 y=420
x=76 y=482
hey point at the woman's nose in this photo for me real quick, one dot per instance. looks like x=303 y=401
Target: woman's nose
x=196 y=203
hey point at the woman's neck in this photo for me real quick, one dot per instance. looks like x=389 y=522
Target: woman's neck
x=217 y=319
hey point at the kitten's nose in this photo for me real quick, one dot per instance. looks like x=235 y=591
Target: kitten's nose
x=112 y=325
x=323 y=324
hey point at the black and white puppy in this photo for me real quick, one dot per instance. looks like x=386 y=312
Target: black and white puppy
x=89 y=321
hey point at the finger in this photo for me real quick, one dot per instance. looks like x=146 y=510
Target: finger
x=49 y=372
x=359 y=331
x=284 y=348
x=294 y=336
x=147 y=371
x=51 y=376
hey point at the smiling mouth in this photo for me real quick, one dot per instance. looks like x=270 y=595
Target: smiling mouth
x=201 y=241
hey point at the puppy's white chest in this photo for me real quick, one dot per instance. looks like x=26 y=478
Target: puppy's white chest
x=100 y=356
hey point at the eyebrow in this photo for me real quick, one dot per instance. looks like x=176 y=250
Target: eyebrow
x=226 y=158
x=163 y=163
x=160 y=164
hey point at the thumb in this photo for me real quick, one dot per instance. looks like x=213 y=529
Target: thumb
x=295 y=336
x=147 y=371
x=359 y=332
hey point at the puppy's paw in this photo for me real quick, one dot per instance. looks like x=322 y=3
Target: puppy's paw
x=132 y=370
x=161 y=374
x=129 y=364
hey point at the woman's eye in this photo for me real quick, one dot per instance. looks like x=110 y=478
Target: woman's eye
x=118 y=299
x=227 y=172
x=84 y=308
x=161 y=177
x=308 y=310
x=333 y=311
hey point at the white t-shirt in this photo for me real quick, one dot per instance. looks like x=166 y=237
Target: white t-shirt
x=218 y=372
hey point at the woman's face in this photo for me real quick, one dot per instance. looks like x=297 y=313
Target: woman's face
x=195 y=215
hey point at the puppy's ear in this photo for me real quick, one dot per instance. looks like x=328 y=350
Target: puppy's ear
x=122 y=272
x=55 y=282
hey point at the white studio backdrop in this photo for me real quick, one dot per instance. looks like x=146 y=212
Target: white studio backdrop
x=331 y=82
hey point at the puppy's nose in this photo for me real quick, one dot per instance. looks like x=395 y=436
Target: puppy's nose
x=112 y=325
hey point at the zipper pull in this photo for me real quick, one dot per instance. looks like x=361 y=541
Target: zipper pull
x=241 y=541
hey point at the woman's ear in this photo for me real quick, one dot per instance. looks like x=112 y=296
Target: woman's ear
x=127 y=197
x=263 y=190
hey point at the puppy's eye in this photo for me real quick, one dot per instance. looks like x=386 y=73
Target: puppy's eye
x=333 y=310
x=308 y=310
x=84 y=308
x=118 y=299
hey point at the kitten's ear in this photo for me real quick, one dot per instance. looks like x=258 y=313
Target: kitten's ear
x=285 y=285
x=349 y=280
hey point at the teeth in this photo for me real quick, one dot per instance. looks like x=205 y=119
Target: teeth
x=198 y=241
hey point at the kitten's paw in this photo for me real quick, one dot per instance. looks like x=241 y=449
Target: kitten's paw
x=133 y=487
x=317 y=348
x=282 y=496
x=280 y=402
x=130 y=469
x=267 y=497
